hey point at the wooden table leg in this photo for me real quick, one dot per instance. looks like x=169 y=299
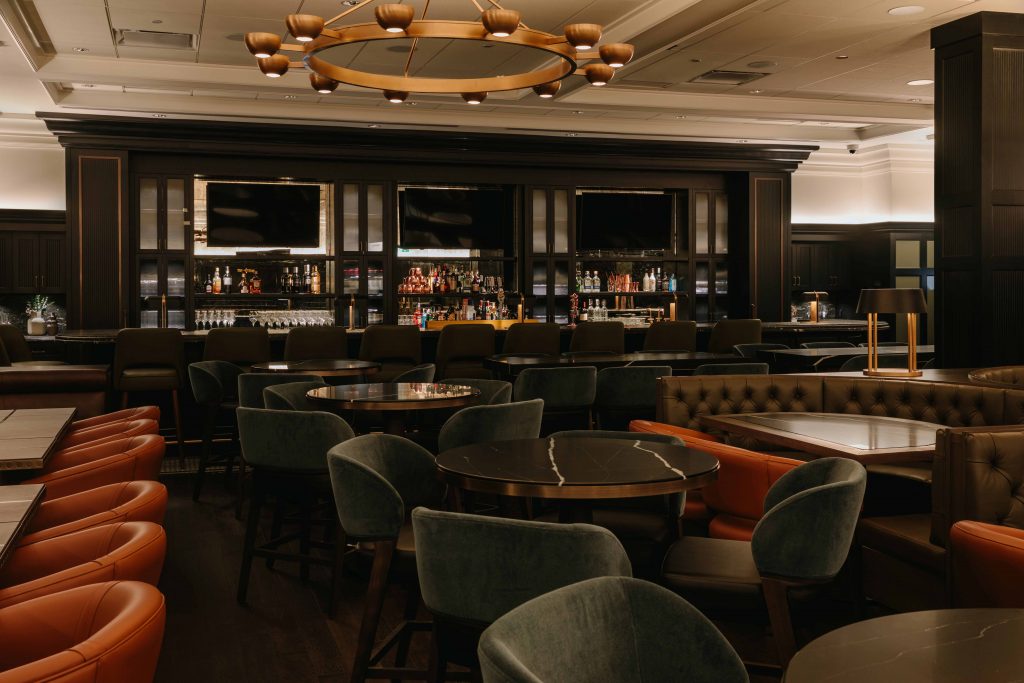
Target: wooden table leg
x=394 y=422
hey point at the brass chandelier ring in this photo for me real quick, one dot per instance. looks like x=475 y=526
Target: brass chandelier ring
x=555 y=46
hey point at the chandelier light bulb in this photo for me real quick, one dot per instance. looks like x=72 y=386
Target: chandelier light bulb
x=274 y=66
x=500 y=23
x=474 y=97
x=394 y=18
x=322 y=84
x=616 y=55
x=305 y=27
x=583 y=36
x=395 y=96
x=599 y=74
x=547 y=90
x=262 y=45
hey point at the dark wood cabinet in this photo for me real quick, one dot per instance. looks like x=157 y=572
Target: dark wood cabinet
x=32 y=263
x=821 y=266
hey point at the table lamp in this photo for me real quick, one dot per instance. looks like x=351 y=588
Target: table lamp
x=895 y=300
x=815 y=299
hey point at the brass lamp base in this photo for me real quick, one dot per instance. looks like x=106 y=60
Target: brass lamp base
x=893 y=373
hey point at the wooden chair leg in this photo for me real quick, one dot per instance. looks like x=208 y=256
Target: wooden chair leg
x=206 y=452
x=337 y=570
x=437 y=667
x=412 y=606
x=280 y=507
x=240 y=491
x=305 y=532
x=382 y=554
x=177 y=423
x=255 y=503
x=776 y=597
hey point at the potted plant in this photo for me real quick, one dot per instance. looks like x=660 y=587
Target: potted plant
x=35 y=310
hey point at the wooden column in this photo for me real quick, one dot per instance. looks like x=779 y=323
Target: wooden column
x=979 y=190
x=97 y=222
x=759 y=249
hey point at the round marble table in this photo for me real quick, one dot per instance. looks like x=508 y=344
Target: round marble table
x=395 y=401
x=323 y=368
x=938 y=646
x=576 y=469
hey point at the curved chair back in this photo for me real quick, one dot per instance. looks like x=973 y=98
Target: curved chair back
x=543 y=338
x=600 y=337
x=128 y=501
x=377 y=479
x=750 y=350
x=731 y=369
x=421 y=373
x=252 y=384
x=561 y=388
x=502 y=422
x=671 y=335
x=987 y=563
x=608 y=629
x=288 y=439
x=461 y=350
x=148 y=348
x=316 y=343
x=121 y=459
x=827 y=345
x=128 y=414
x=729 y=332
x=810 y=515
x=243 y=346
x=396 y=347
x=13 y=342
x=292 y=395
x=116 y=635
x=492 y=391
x=884 y=361
x=627 y=393
x=108 y=432
x=213 y=381
x=474 y=569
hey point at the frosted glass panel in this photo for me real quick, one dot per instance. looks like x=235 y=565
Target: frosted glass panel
x=176 y=213
x=721 y=225
x=540 y=279
x=350 y=220
x=908 y=254
x=175 y=278
x=147 y=214
x=540 y=224
x=561 y=222
x=701 y=222
x=929 y=254
x=149 y=279
x=350 y=278
x=374 y=218
x=561 y=278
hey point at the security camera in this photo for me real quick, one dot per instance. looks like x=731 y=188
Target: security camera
x=852 y=149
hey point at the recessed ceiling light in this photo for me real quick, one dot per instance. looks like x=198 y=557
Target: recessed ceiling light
x=158 y=21
x=743 y=141
x=842 y=56
x=755 y=92
x=578 y=112
x=88 y=85
x=351 y=3
x=159 y=116
x=906 y=10
x=764 y=64
x=571 y=135
x=81 y=49
x=374 y=125
x=289 y=97
x=681 y=116
x=915 y=100
x=921 y=81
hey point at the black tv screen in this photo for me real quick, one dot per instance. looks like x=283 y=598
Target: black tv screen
x=262 y=215
x=623 y=221
x=445 y=218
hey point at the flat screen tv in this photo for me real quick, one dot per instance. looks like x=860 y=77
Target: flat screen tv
x=453 y=218
x=262 y=215
x=623 y=220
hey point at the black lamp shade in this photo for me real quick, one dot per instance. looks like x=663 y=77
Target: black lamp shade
x=895 y=300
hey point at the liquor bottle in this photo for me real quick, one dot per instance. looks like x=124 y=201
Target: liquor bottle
x=584 y=313
x=208 y=286
x=217 y=282
x=659 y=283
x=588 y=282
x=243 y=286
x=579 y=279
x=307 y=279
x=255 y=284
x=596 y=282
x=417 y=317
x=314 y=280
x=672 y=283
x=226 y=280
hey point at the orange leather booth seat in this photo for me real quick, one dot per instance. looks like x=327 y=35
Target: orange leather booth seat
x=83 y=386
x=139 y=413
x=128 y=501
x=103 y=633
x=131 y=551
x=85 y=468
x=734 y=502
x=107 y=432
x=988 y=565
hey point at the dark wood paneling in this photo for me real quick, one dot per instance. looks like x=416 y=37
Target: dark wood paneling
x=52 y=258
x=26 y=262
x=6 y=261
x=770 y=247
x=33 y=220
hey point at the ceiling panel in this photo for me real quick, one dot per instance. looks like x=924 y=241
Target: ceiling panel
x=77 y=23
x=187 y=6
x=154 y=20
x=257 y=9
x=160 y=54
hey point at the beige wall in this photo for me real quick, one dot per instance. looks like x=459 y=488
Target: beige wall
x=32 y=177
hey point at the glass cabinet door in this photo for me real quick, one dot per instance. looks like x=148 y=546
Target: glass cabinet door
x=163 y=228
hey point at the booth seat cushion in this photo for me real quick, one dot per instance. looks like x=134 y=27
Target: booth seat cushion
x=905 y=537
x=84 y=387
x=713 y=573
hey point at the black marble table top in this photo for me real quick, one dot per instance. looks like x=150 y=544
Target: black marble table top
x=570 y=467
x=939 y=646
x=682 y=360
x=332 y=368
x=390 y=396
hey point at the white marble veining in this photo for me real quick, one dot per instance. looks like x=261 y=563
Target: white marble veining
x=636 y=445
x=554 y=463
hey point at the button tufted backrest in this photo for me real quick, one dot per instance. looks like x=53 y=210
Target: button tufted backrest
x=978 y=474
x=953 y=405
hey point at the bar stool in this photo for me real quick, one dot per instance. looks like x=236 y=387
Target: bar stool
x=151 y=360
x=316 y=343
x=243 y=346
x=396 y=347
x=671 y=335
x=214 y=385
x=531 y=338
x=728 y=333
x=602 y=337
x=461 y=350
x=18 y=352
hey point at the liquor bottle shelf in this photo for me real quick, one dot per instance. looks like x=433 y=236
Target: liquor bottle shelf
x=586 y=294
x=263 y=295
x=279 y=258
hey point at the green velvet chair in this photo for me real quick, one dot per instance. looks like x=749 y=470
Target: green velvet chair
x=492 y=392
x=532 y=338
x=729 y=332
x=800 y=543
x=671 y=335
x=461 y=350
x=627 y=393
x=731 y=369
x=421 y=373
x=17 y=350
x=607 y=337
x=316 y=343
x=151 y=361
x=396 y=347
x=378 y=479
x=751 y=350
x=287 y=451
x=292 y=396
x=474 y=569
x=568 y=395
x=252 y=384
x=502 y=422
x=215 y=389
x=243 y=346
x=827 y=345
x=607 y=629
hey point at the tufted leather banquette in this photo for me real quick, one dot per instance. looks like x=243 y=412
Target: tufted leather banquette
x=1005 y=376
x=82 y=386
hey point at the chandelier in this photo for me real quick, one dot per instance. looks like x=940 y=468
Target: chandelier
x=574 y=52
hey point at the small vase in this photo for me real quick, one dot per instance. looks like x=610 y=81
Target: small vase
x=36 y=325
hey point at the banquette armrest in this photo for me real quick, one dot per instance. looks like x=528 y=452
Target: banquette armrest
x=987 y=563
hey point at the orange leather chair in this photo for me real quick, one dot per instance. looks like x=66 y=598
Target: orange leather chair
x=107 y=432
x=131 y=551
x=733 y=503
x=81 y=469
x=139 y=413
x=114 y=635
x=128 y=501
x=988 y=563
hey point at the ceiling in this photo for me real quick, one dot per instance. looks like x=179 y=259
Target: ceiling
x=835 y=71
